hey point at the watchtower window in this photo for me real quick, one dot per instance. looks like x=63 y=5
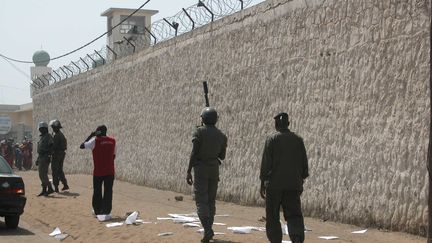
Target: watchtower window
x=133 y=25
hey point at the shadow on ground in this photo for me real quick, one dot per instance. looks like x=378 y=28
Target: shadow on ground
x=18 y=231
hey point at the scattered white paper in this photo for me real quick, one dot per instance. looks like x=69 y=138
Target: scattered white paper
x=286 y=241
x=240 y=230
x=359 y=231
x=115 y=224
x=131 y=218
x=142 y=221
x=191 y=225
x=221 y=224
x=162 y=218
x=222 y=215
x=185 y=220
x=328 y=237
x=261 y=229
x=56 y=231
x=307 y=229
x=103 y=217
x=61 y=236
x=165 y=233
x=216 y=233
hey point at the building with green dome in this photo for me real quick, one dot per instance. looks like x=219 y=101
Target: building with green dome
x=41 y=58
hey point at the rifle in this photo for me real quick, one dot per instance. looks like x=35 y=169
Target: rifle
x=206 y=94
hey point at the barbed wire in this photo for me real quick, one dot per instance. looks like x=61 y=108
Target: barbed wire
x=164 y=29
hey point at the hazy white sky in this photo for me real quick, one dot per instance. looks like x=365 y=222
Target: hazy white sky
x=57 y=26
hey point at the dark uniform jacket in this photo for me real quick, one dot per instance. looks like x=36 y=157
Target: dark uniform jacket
x=59 y=142
x=284 y=163
x=209 y=147
x=45 y=146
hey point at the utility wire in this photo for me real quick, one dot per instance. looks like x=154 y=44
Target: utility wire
x=18 y=69
x=79 y=48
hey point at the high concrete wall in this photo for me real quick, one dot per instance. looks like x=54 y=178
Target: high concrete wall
x=353 y=75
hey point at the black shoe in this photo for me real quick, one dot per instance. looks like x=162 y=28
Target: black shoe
x=56 y=189
x=208 y=236
x=43 y=192
x=50 y=190
x=65 y=187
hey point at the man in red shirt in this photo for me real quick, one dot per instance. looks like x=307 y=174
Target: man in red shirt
x=104 y=151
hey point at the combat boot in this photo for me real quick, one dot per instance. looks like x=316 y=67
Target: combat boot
x=50 y=190
x=43 y=192
x=208 y=232
x=56 y=188
x=65 y=187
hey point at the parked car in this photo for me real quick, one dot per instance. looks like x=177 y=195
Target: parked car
x=12 y=195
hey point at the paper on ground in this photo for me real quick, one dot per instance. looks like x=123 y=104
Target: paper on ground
x=61 y=236
x=115 y=224
x=185 y=220
x=307 y=229
x=221 y=224
x=240 y=230
x=328 y=237
x=286 y=241
x=142 y=221
x=216 y=233
x=131 y=218
x=165 y=233
x=245 y=229
x=222 y=215
x=56 y=231
x=359 y=231
x=103 y=217
x=191 y=225
x=162 y=218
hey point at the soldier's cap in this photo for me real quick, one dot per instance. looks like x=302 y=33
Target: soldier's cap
x=281 y=116
x=102 y=128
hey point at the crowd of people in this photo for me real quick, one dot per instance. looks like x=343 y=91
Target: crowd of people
x=18 y=155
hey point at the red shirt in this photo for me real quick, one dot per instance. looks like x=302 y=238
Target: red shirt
x=103 y=156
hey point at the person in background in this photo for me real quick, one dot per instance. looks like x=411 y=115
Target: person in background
x=18 y=156
x=284 y=167
x=104 y=152
x=43 y=160
x=26 y=149
x=59 y=153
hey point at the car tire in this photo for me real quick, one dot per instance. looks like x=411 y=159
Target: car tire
x=12 y=221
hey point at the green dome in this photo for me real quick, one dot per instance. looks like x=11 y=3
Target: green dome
x=41 y=58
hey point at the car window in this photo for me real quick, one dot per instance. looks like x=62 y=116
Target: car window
x=4 y=166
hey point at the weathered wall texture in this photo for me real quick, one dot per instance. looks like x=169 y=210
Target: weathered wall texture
x=353 y=75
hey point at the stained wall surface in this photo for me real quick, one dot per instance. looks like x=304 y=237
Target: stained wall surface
x=353 y=76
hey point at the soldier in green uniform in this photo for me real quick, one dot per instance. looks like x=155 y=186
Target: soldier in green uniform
x=44 y=150
x=209 y=148
x=284 y=167
x=59 y=148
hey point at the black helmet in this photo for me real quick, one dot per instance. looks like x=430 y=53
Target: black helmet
x=209 y=116
x=55 y=123
x=42 y=125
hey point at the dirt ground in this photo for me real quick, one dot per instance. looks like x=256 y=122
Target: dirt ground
x=72 y=213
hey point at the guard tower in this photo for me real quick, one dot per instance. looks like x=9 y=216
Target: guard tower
x=41 y=59
x=132 y=28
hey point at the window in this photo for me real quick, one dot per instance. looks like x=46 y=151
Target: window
x=133 y=25
x=4 y=166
